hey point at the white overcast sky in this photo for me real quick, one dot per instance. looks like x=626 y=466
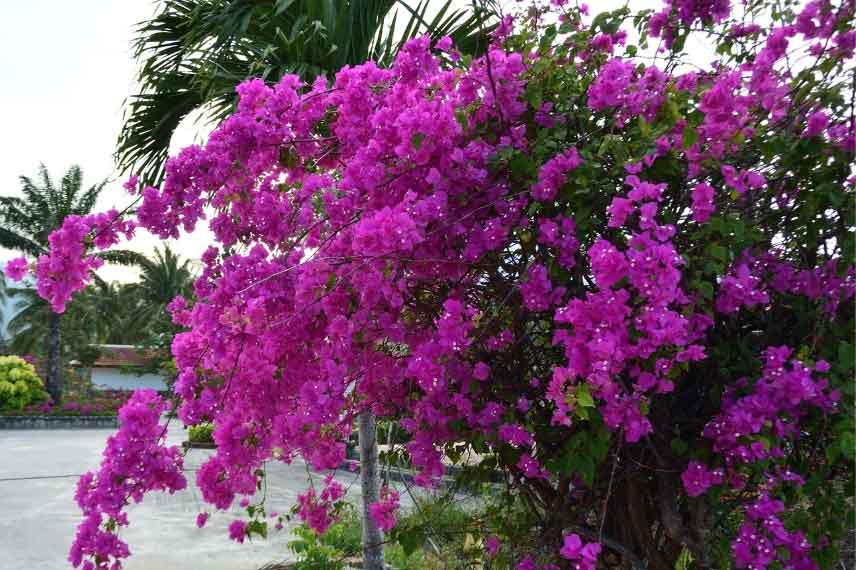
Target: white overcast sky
x=65 y=70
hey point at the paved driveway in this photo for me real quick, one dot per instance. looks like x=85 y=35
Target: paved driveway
x=38 y=517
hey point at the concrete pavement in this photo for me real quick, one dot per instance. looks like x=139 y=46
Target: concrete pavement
x=38 y=516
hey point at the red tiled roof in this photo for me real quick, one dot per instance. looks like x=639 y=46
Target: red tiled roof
x=118 y=355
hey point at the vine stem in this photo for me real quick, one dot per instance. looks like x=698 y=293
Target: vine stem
x=609 y=489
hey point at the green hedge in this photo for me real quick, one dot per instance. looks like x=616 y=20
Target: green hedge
x=19 y=383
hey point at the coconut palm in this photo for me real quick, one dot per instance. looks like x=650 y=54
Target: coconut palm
x=96 y=315
x=192 y=53
x=162 y=279
x=5 y=302
x=27 y=221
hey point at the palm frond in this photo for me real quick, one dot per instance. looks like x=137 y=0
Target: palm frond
x=69 y=187
x=86 y=202
x=122 y=257
x=18 y=216
x=151 y=118
x=17 y=242
x=36 y=201
x=192 y=53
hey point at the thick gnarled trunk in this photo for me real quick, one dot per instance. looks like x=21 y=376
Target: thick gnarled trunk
x=53 y=382
x=369 y=479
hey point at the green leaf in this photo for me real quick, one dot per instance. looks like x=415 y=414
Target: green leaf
x=689 y=136
x=288 y=157
x=718 y=252
x=586 y=469
x=679 y=446
x=583 y=396
x=705 y=289
x=848 y=445
x=678 y=45
x=416 y=140
x=522 y=166
x=410 y=538
x=845 y=355
x=282 y=6
x=257 y=527
x=644 y=127
x=535 y=97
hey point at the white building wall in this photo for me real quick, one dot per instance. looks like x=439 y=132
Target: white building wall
x=113 y=379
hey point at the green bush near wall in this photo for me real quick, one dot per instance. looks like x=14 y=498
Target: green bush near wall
x=19 y=383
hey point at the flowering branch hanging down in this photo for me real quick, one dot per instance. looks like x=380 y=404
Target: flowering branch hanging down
x=543 y=255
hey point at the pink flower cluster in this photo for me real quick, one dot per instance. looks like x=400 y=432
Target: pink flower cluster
x=663 y=24
x=16 y=269
x=384 y=510
x=554 y=173
x=583 y=556
x=697 y=478
x=755 y=430
x=374 y=250
x=622 y=89
x=66 y=268
x=753 y=279
x=599 y=346
x=703 y=202
x=763 y=540
x=317 y=510
x=238 y=530
x=135 y=463
x=559 y=233
x=785 y=392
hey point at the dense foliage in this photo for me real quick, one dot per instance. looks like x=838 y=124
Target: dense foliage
x=200 y=433
x=621 y=280
x=26 y=224
x=192 y=53
x=20 y=385
x=132 y=313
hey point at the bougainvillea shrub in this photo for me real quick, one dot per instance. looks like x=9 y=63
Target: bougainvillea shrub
x=619 y=272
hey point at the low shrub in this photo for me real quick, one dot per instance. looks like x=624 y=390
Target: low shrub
x=19 y=383
x=343 y=543
x=328 y=551
x=202 y=433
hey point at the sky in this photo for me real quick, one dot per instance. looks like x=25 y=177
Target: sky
x=65 y=70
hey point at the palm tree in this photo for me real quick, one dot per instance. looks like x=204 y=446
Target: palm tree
x=98 y=314
x=162 y=279
x=25 y=224
x=165 y=277
x=5 y=301
x=192 y=53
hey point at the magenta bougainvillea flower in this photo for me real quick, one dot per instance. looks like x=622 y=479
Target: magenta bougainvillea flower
x=594 y=268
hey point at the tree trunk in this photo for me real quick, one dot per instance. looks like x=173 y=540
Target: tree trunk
x=372 y=535
x=53 y=382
